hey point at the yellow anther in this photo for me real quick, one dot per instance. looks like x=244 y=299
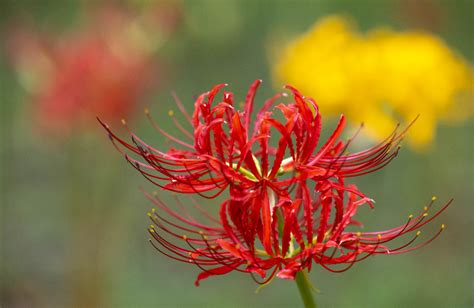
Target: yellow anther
x=151 y=230
x=200 y=232
x=418 y=233
x=443 y=226
x=411 y=216
x=425 y=214
x=237 y=246
x=433 y=198
x=147 y=111
x=205 y=237
x=152 y=227
x=148 y=214
x=123 y=122
x=358 y=234
x=185 y=237
x=170 y=113
x=153 y=210
x=425 y=208
x=379 y=236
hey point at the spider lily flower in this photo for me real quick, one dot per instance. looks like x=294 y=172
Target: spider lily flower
x=101 y=68
x=288 y=204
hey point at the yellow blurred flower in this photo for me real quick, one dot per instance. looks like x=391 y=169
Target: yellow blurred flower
x=379 y=78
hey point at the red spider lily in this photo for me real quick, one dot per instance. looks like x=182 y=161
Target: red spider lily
x=282 y=214
x=81 y=77
x=91 y=79
x=102 y=68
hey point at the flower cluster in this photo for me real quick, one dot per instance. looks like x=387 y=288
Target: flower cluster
x=101 y=68
x=379 y=78
x=287 y=202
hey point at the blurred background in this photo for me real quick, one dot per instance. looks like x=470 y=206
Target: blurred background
x=72 y=219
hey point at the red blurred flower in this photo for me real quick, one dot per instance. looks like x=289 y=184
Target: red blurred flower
x=91 y=80
x=288 y=203
x=102 y=68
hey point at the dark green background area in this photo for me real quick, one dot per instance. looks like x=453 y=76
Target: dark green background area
x=49 y=191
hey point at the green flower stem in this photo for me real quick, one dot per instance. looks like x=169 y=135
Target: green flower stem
x=302 y=280
x=304 y=286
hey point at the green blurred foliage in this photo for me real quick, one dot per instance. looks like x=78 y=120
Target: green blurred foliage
x=48 y=187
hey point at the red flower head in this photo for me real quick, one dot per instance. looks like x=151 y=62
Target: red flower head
x=102 y=68
x=288 y=205
x=91 y=79
x=83 y=78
